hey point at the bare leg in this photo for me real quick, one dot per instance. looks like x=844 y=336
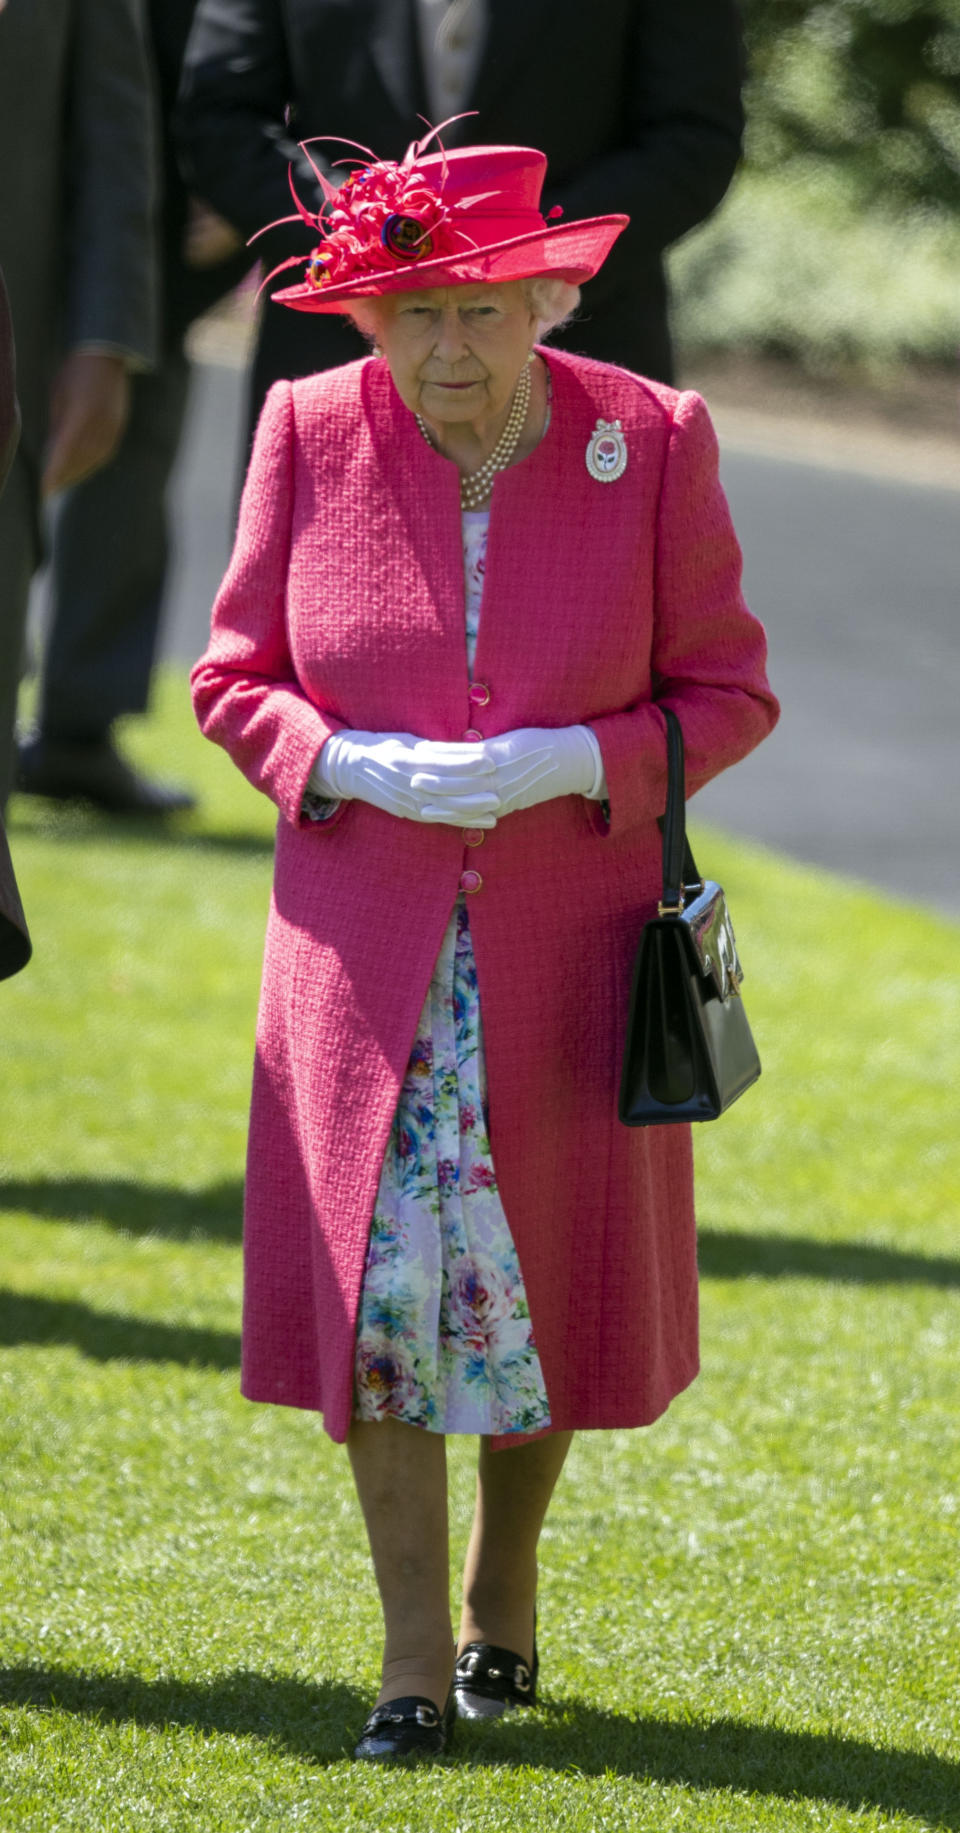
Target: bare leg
x=514 y=1488
x=401 y=1476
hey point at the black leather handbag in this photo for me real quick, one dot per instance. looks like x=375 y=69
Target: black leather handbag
x=689 y=1051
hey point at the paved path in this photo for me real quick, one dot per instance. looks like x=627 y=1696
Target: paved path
x=856 y=576
x=858 y=582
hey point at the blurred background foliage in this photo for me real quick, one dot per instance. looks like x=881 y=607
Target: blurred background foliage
x=839 y=244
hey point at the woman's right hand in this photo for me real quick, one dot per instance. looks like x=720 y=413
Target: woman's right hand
x=416 y=779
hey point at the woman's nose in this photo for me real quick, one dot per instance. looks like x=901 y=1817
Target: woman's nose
x=451 y=342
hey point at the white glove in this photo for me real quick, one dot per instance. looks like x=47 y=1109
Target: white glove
x=416 y=779
x=535 y=764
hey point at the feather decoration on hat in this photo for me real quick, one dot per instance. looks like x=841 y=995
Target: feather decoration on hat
x=382 y=217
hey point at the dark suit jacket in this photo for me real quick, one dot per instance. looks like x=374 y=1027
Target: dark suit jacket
x=14 y=941
x=636 y=104
x=76 y=171
x=9 y=408
x=186 y=292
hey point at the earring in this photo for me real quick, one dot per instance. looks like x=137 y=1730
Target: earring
x=377 y=350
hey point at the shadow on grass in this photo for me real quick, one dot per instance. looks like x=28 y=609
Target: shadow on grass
x=318 y=1721
x=213 y=842
x=726 y=1754
x=106 y=1337
x=79 y=821
x=726 y=1255
x=215 y=1214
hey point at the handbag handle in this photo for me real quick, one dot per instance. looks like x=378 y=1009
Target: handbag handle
x=679 y=867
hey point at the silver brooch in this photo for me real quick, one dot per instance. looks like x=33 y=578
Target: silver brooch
x=607 y=452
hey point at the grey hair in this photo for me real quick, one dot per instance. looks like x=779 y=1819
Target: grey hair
x=365 y=314
x=549 y=300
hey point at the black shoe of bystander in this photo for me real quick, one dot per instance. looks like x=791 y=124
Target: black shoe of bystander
x=93 y=771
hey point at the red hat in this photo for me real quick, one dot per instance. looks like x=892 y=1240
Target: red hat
x=444 y=220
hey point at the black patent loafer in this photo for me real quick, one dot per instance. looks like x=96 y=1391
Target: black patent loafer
x=406 y=1730
x=489 y=1680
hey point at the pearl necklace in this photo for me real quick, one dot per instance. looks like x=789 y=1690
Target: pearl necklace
x=475 y=488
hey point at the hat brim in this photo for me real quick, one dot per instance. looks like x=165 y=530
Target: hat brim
x=568 y=251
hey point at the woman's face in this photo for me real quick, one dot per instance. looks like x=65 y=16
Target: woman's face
x=455 y=352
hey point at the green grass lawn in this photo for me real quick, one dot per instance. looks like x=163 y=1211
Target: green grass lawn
x=749 y=1613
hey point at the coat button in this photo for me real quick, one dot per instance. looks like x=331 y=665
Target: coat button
x=473 y=737
x=473 y=836
x=479 y=694
x=470 y=882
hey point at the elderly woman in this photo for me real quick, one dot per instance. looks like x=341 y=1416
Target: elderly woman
x=469 y=574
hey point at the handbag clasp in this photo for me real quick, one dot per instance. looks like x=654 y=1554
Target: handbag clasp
x=686 y=892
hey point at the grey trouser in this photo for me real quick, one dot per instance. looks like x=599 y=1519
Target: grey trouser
x=108 y=569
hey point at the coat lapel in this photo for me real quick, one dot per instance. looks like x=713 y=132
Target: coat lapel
x=417 y=508
x=392 y=38
x=556 y=534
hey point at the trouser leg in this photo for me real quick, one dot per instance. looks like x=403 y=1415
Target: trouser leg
x=108 y=569
x=20 y=554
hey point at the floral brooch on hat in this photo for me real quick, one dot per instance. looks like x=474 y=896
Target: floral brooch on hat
x=384 y=216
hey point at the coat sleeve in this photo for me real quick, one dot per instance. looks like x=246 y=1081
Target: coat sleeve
x=708 y=655
x=246 y=693
x=682 y=124
x=110 y=258
x=230 y=124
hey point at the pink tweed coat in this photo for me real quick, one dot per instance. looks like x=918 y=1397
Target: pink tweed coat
x=344 y=606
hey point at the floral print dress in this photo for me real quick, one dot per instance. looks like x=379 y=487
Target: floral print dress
x=444 y=1338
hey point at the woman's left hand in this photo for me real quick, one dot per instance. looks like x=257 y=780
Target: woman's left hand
x=535 y=764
